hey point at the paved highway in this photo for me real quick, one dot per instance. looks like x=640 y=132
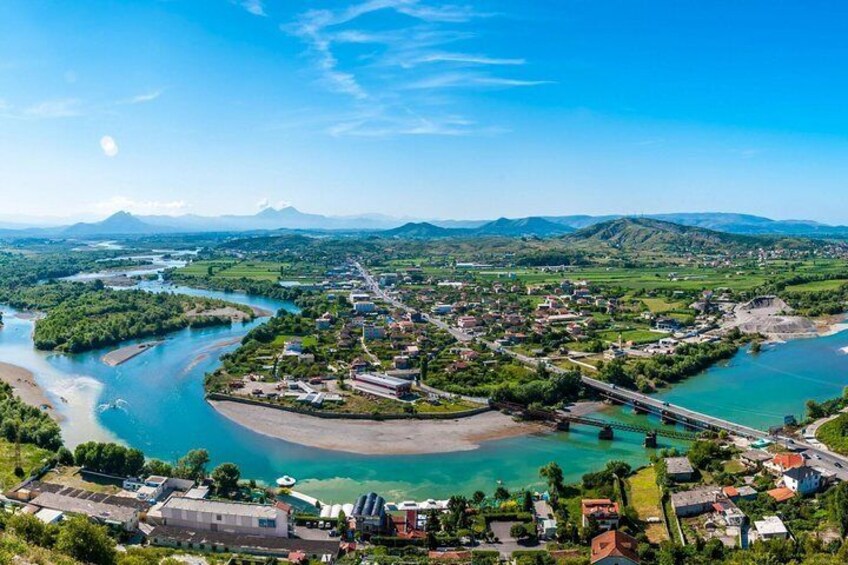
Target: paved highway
x=816 y=456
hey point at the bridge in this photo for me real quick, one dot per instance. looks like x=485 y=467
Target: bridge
x=563 y=421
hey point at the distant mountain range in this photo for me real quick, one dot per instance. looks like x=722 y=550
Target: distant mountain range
x=289 y=218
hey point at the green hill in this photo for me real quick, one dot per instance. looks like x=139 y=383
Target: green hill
x=649 y=235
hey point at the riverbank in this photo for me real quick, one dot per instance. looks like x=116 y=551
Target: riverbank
x=24 y=385
x=370 y=437
x=124 y=354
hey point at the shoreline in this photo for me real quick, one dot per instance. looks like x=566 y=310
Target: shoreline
x=25 y=387
x=372 y=437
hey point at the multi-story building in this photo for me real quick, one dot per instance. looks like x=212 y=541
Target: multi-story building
x=231 y=517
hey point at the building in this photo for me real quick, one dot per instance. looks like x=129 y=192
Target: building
x=49 y=516
x=781 y=494
x=679 y=469
x=548 y=528
x=614 y=548
x=226 y=542
x=696 y=501
x=119 y=511
x=442 y=309
x=603 y=510
x=369 y=512
x=729 y=512
x=782 y=462
x=466 y=322
x=755 y=457
x=364 y=307
x=803 y=480
x=231 y=517
x=771 y=527
x=370 y=331
x=383 y=384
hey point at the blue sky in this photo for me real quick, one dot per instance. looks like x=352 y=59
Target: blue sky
x=423 y=108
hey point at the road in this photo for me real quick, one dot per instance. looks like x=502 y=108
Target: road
x=835 y=463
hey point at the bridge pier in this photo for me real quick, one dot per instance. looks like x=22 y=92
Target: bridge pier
x=651 y=440
x=563 y=425
x=605 y=433
x=639 y=409
x=666 y=418
x=688 y=425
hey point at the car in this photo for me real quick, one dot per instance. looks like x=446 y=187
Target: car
x=665 y=403
x=837 y=464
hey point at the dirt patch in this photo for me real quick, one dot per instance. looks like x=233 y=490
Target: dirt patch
x=234 y=314
x=26 y=388
x=124 y=354
x=391 y=437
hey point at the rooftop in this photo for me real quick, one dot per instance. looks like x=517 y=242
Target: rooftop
x=675 y=465
x=700 y=495
x=614 y=544
x=770 y=525
x=221 y=507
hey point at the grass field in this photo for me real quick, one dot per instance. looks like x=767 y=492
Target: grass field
x=69 y=476
x=637 y=336
x=831 y=434
x=32 y=457
x=643 y=278
x=661 y=306
x=818 y=286
x=645 y=500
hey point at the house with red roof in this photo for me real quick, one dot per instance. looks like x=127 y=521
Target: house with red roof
x=614 y=548
x=782 y=462
x=603 y=510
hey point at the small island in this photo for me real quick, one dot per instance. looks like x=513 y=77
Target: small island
x=84 y=316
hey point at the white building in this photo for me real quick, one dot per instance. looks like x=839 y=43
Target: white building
x=231 y=517
x=770 y=527
x=803 y=480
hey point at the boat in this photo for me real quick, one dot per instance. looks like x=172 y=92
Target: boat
x=286 y=481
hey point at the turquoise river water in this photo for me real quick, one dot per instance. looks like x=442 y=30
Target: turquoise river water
x=155 y=402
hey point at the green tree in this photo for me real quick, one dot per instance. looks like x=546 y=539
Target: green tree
x=157 y=467
x=86 y=542
x=839 y=507
x=501 y=493
x=32 y=530
x=193 y=465
x=518 y=531
x=478 y=497
x=226 y=477
x=527 y=503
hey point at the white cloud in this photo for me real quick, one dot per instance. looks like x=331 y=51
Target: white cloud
x=144 y=97
x=389 y=92
x=49 y=109
x=255 y=7
x=142 y=207
x=262 y=204
x=462 y=58
x=109 y=146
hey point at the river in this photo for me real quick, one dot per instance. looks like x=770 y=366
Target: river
x=161 y=410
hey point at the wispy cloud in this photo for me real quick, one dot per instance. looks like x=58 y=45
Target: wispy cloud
x=144 y=97
x=392 y=88
x=469 y=80
x=50 y=109
x=462 y=58
x=255 y=7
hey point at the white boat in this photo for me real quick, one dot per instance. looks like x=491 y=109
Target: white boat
x=286 y=481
